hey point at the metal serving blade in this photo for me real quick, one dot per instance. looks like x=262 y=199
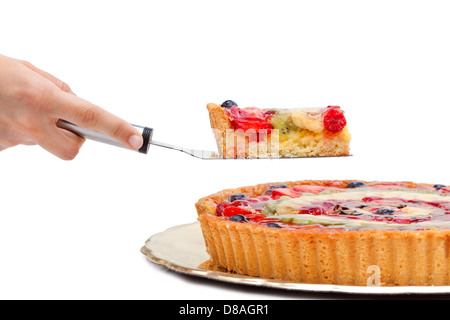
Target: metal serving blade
x=202 y=154
x=147 y=133
x=212 y=155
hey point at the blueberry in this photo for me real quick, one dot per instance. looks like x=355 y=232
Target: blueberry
x=229 y=104
x=273 y=225
x=356 y=184
x=238 y=218
x=278 y=186
x=384 y=211
x=237 y=196
x=438 y=186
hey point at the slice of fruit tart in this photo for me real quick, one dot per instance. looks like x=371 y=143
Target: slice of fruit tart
x=272 y=133
x=331 y=232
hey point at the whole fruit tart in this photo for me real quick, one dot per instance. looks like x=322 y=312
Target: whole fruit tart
x=261 y=133
x=331 y=232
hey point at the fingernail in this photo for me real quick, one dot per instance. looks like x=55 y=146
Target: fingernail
x=136 y=141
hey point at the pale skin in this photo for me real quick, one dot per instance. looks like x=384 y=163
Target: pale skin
x=32 y=101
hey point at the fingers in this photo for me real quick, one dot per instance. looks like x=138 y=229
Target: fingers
x=90 y=116
x=60 y=84
x=62 y=143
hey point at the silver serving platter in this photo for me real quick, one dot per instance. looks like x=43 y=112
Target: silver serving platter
x=182 y=249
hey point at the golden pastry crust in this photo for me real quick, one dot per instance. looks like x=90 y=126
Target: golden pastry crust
x=324 y=255
x=218 y=118
x=220 y=124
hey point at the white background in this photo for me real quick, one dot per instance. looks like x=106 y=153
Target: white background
x=73 y=230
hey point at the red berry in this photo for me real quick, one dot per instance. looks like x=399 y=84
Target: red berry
x=282 y=192
x=316 y=211
x=402 y=221
x=309 y=189
x=371 y=199
x=250 y=118
x=232 y=211
x=445 y=189
x=334 y=119
x=221 y=208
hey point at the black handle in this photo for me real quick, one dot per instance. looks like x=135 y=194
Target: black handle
x=147 y=136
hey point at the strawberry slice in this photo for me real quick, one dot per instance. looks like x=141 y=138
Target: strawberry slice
x=310 y=189
x=297 y=191
x=402 y=221
x=250 y=118
x=232 y=211
x=221 y=207
x=445 y=189
x=276 y=193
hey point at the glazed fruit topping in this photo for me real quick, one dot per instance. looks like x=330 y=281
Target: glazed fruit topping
x=314 y=205
x=330 y=119
x=334 y=119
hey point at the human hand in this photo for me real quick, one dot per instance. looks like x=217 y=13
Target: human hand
x=31 y=103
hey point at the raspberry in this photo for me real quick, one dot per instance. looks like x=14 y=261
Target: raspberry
x=333 y=119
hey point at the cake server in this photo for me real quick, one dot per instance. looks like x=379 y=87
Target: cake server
x=146 y=133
